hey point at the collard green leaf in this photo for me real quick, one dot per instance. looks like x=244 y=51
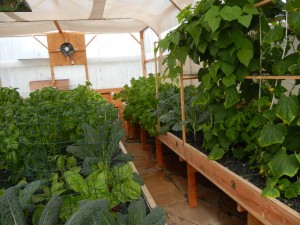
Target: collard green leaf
x=270 y=192
x=86 y=211
x=287 y=108
x=231 y=98
x=105 y=218
x=245 y=20
x=155 y=217
x=51 y=212
x=11 y=212
x=245 y=56
x=29 y=191
x=284 y=164
x=136 y=211
x=272 y=134
x=216 y=153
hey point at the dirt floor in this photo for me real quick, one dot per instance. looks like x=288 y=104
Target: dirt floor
x=168 y=187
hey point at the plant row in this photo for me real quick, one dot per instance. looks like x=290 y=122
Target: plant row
x=253 y=120
x=61 y=161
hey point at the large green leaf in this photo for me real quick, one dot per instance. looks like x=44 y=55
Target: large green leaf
x=85 y=212
x=293 y=191
x=273 y=35
x=155 y=217
x=11 y=212
x=136 y=211
x=250 y=9
x=126 y=190
x=214 y=23
x=97 y=184
x=182 y=54
x=75 y=181
x=245 y=20
x=216 y=153
x=245 y=56
x=212 y=13
x=226 y=67
x=284 y=164
x=201 y=99
x=287 y=108
x=270 y=192
x=272 y=134
x=232 y=97
x=51 y=212
x=229 y=80
x=230 y=13
x=294 y=21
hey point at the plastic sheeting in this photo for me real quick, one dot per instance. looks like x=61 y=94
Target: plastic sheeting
x=92 y=16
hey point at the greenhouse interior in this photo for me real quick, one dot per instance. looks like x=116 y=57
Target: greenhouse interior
x=178 y=112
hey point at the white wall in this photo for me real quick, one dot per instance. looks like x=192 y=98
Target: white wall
x=112 y=61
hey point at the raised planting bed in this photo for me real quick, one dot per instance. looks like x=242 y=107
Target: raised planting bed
x=261 y=210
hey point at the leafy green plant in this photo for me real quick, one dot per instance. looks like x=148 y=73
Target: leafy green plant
x=141 y=102
x=13 y=206
x=257 y=121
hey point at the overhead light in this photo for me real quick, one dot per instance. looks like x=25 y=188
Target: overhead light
x=14 y=6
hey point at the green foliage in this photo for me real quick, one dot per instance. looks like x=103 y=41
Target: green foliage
x=244 y=118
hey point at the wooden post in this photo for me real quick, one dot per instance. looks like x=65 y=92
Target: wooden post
x=182 y=107
x=159 y=156
x=52 y=76
x=191 y=177
x=251 y=220
x=143 y=139
x=143 y=53
x=86 y=72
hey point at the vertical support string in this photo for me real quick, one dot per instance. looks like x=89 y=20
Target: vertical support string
x=283 y=53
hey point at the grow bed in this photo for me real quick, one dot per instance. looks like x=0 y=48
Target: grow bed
x=247 y=195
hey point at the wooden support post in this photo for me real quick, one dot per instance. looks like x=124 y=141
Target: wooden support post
x=52 y=76
x=143 y=53
x=191 y=177
x=251 y=220
x=182 y=107
x=86 y=72
x=159 y=156
x=143 y=139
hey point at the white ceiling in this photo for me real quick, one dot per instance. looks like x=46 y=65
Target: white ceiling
x=92 y=16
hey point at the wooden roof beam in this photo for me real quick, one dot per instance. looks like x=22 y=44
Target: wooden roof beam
x=57 y=26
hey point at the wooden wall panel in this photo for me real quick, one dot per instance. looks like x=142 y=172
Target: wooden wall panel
x=59 y=84
x=57 y=58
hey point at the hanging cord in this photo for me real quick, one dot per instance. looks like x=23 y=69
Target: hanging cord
x=283 y=53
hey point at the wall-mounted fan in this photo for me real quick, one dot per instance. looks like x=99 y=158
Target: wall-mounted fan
x=67 y=49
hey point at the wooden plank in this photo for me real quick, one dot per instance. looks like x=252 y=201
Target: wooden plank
x=251 y=220
x=159 y=155
x=240 y=208
x=62 y=84
x=263 y=3
x=273 y=77
x=57 y=26
x=174 y=143
x=268 y=211
x=191 y=179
